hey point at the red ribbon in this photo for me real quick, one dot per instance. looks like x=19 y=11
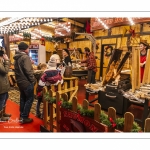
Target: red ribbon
x=112 y=122
x=59 y=103
x=39 y=94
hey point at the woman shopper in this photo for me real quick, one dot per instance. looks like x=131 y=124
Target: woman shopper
x=143 y=54
x=4 y=85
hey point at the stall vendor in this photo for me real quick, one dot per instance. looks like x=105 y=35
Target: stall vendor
x=67 y=59
x=91 y=65
x=143 y=53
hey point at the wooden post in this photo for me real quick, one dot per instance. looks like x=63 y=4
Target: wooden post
x=57 y=112
x=85 y=104
x=7 y=44
x=135 y=69
x=146 y=76
x=74 y=104
x=97 y=111
x=112 y=113
x=147 y=125
x=64 y=97
x=51 y=112
x=128 y=122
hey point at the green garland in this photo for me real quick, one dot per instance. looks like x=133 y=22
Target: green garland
x=90 y=113
x=50 y=100
x=66 y=104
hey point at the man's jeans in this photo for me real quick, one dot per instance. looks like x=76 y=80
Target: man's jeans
x=91 y=77
x=3 y=99
x=39 y=101
x=26 y=100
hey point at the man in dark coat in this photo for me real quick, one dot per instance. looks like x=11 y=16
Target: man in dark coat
x=25 y=81
x=4 y=85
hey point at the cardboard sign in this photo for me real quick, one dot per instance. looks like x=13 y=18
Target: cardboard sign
x=74 y=122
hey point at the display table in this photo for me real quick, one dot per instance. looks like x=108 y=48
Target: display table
x=79 y=73
x=121 y=104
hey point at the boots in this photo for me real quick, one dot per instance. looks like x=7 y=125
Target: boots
x=2 y=118
x=4 y=114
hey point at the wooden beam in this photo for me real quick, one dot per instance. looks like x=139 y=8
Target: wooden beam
x=73 y=22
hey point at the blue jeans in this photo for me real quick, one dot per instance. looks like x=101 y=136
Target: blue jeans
x=91 y=76
x=39 y=101
x=3 y=99
x=26 y=100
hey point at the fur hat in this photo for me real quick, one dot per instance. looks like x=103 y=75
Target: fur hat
x=67 y=51
x=52 y=62
x=22 y=46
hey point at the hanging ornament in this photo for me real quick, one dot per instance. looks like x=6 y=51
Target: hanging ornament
x=42 y=40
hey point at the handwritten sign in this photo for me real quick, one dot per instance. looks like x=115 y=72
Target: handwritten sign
x=14 y=39
x=113 y=22
x=74 y=122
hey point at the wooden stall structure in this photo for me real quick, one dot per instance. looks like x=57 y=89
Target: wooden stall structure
x=135 y=67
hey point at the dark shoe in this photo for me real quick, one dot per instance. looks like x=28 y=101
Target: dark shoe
x=5 y=119
x=6 y=115
x=26 y=120
x=38 y=115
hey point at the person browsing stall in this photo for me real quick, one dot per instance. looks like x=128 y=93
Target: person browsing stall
x=91 y=65
x=51 y=76
x=56 y=56
x=25 y=80
x=38 y=73
x=4 y=85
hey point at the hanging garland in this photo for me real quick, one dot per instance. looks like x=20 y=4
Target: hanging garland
x=26 y=35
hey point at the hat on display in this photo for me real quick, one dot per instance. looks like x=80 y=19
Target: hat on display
x=22 y=46
x=52 y=62
x=67 y=51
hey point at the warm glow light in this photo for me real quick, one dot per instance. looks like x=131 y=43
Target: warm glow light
x=131 y=21
x=103 y=24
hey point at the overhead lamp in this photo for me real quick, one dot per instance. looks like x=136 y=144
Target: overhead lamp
x=103 y=24
x=131 y=21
